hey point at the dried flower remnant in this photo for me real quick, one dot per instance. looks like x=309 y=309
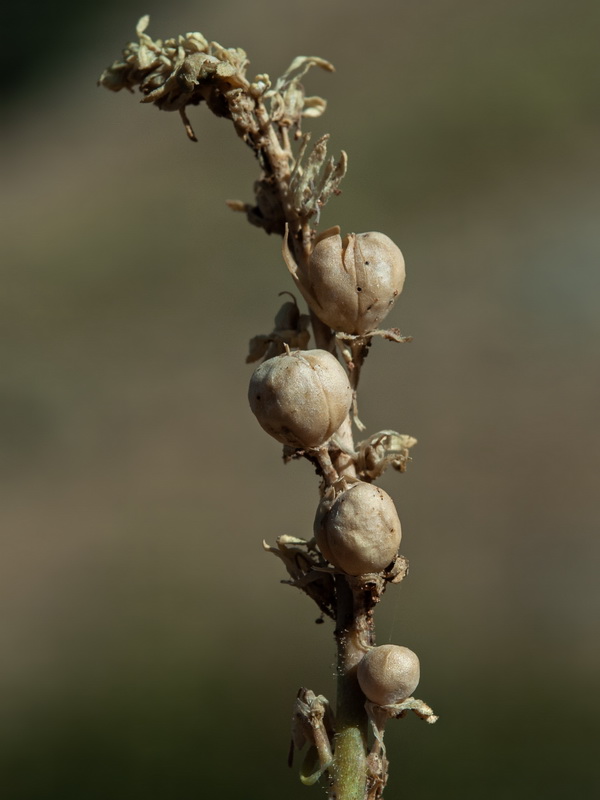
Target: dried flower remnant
x=187 y=70
x=291 y=329
x=382 y=450
x=178 y=72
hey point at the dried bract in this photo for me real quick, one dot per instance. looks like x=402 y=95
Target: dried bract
x=315 y=178
x=300 y=398
x=287 y=98
x=358 y=531
x=303 y=561
x=312 y=724
x=389 y=674
x=382 y=450
x=291 y=329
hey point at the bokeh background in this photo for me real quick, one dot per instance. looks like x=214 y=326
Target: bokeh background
x=147 y=647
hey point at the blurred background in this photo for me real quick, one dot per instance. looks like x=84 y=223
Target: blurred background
x=147 y=648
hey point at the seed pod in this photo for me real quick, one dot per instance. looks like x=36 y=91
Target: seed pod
x=358 y=531
x=388 y=674
x=351 y=284
x=300 y=398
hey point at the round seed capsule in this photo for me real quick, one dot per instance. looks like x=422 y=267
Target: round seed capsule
x=389 y=674
x=354 y=282
x=359 y=531
x=300 y=398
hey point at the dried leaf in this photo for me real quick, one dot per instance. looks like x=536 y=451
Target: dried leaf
x=314 y=107
x=298 y=68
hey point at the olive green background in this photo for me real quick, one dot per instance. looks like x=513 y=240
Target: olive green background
x=147 y=648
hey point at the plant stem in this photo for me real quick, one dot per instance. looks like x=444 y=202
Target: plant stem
x=353 y=621
x=354 y=625
x=350 y=755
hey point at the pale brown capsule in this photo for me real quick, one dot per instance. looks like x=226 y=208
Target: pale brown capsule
x=389 y=674
x=359 y=531
x=351 y=284
x=300 y=398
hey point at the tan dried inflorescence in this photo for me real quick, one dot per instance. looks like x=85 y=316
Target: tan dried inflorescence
x=175 y=73
x=304 y=398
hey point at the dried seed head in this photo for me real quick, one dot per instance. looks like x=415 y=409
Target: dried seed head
x=352 y=284
x=358 y=531
x=389 y=674
x=300 y=398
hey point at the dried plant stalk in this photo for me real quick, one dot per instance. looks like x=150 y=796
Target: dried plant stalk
x=300 y=397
